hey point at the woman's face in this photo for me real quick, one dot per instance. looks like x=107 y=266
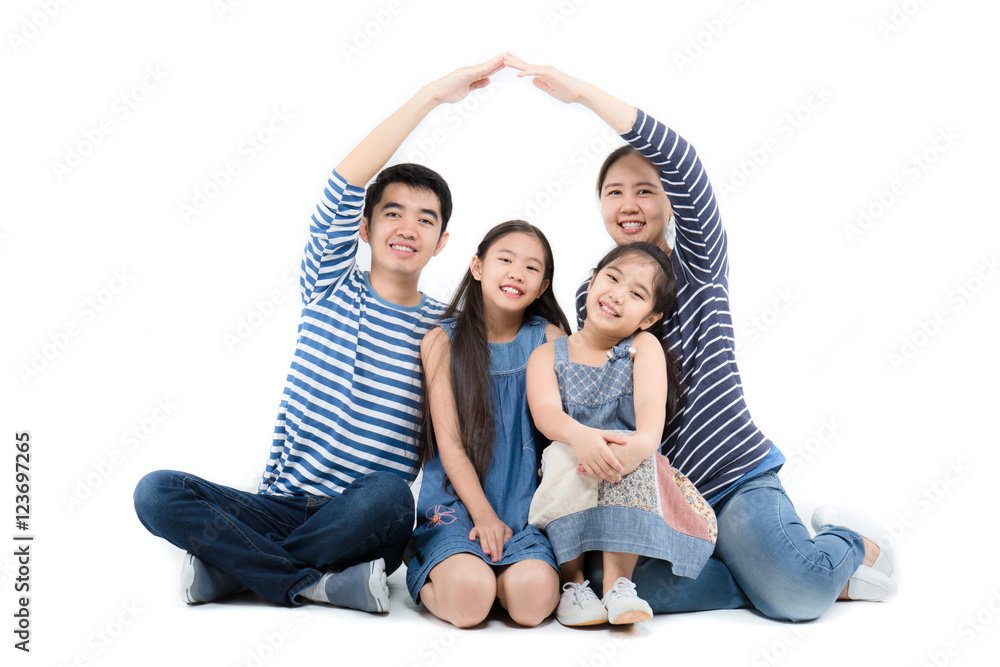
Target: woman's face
x=633 y=203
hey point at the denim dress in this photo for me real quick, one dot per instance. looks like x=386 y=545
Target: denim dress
x=653 y=511
x=443 y=524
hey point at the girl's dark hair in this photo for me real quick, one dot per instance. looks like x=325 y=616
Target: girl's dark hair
x=470 y=354
x=664 y=301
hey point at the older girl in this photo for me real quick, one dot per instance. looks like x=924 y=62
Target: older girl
x=473 y=541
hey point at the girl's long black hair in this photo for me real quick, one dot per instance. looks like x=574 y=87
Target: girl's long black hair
x=664 y=301
x=470 y=354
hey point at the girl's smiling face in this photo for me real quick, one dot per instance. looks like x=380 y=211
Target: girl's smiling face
x=621 y=296
x=512 y=272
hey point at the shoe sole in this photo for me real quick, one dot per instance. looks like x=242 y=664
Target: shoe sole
x=378 y=588
x=187 y=579
x=580 y=624
x=630 y=617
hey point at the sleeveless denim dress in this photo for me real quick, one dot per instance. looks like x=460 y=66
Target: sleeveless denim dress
x=653 y=511
x=443 y=524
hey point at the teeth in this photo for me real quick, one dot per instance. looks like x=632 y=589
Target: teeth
x=607 y=310
x=632 y=225
x=511 y=290
x=402 y=248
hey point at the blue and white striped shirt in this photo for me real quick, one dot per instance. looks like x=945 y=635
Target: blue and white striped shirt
x=712 y=439
x=351 y=403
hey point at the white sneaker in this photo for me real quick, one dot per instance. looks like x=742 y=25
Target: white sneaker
x=624 y=605
x=578 y=605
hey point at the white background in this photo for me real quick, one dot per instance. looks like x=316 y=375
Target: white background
x=821 y=302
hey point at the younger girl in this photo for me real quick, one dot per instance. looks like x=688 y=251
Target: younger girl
x=604 y=391
x=473 y=540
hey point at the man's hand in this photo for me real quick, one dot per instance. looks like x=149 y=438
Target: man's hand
x=456 y=86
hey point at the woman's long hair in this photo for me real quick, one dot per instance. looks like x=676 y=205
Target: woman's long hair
x=470 y=354
x=664 y=301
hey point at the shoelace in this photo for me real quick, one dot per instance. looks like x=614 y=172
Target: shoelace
x=580 y=591
x=624 y=587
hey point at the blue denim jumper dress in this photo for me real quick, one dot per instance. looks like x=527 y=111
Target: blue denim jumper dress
x=443 y=524
x=653 y=511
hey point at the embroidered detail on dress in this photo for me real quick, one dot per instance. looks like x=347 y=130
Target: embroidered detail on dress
x=440 y=515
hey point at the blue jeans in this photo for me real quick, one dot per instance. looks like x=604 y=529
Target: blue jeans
x=278 y=545
x=764 y=558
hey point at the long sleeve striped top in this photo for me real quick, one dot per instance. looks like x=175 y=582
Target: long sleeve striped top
x=712 y=438
x=351 y=401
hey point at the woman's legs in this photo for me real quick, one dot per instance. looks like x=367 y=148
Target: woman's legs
x=460 y=589
x=529 y=591
x=784 y=572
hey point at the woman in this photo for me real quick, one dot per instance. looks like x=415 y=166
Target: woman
x=764 y=556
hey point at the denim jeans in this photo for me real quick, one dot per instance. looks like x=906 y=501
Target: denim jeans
x=278 y=545
x=764 y=558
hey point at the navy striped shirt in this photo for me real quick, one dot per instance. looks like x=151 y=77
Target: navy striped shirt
x=712 y=439
x=351 y=403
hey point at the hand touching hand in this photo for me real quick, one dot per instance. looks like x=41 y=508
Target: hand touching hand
x=456 y=86
x=557 y=84
x=595 y=455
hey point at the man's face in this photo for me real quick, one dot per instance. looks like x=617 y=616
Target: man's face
x=405 y=230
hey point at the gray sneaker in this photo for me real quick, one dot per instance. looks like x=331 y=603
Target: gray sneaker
x=578 y=605
x=363 y=586
x=624 y=605
x=201 y=582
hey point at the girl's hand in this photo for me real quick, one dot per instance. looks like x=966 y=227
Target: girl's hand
x=493 y=534
x=456 y=86
x=596 y=457
x=557 y=84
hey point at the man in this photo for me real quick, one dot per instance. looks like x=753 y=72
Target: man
x=334 y=511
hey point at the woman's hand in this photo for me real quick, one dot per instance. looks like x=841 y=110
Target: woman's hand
x=456 y=86
x=595 y=455
x=557 y=84
x=493 y=534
